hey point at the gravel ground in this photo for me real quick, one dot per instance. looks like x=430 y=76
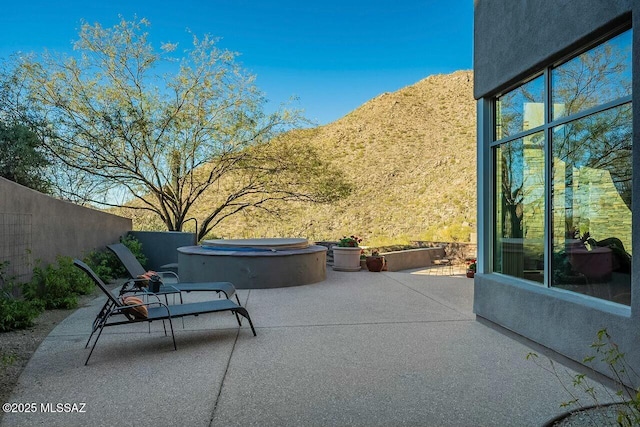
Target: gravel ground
x=17 y=347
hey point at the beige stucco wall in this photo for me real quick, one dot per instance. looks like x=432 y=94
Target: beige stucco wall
x=34 y=226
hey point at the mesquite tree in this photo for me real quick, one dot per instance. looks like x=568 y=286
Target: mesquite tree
x=160 y=129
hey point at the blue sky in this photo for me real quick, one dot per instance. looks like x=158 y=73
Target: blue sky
x=332 y=55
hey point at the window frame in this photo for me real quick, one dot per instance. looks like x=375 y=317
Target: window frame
x=488 y=157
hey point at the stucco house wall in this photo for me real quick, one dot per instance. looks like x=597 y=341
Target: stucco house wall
x=513 y=40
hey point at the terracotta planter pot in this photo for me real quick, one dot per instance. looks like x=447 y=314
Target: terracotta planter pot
x=471 y=274
x=346 y=259
x=375 y=263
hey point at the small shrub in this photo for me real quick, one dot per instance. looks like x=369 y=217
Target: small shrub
x=106 y=265
x=17 y=314
x=135 y=246
x=8 y=359
x=57 y=286
x=606 y=351
x=14 y=313
x=7 y=283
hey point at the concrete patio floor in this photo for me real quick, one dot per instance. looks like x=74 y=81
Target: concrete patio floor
x=359 y=349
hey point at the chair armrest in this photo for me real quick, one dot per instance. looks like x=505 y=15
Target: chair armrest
x=168 y=273
x=134 y=287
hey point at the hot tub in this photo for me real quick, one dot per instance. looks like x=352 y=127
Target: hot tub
x=254 y=263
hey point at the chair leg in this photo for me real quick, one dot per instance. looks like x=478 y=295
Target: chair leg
x=237 y=318
x=89 y=340
x=181 y=302
x=94 y=343
x=100 y=318
x=175 y=347
x=243 y=311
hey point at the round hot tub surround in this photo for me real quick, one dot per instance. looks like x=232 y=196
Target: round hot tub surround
x=268 y=244
x=254 y=263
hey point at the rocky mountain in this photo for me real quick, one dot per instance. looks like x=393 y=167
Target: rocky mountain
x=411 y=158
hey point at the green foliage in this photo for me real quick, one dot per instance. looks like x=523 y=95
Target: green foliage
x=472 y=266
x=21 y=157
x=349 y=242
x=7 y=283
x=57 y=286
x=106 y=265
x=17 y=314
x=163 y=139
x=135 y=246
x=14 y=313
x=606 y=351
x=8 y=359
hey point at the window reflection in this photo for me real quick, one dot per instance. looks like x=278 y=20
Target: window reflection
x=596 y=77
x=521 y=109
x=592 y=205
x=518 y=247
x=590 y=184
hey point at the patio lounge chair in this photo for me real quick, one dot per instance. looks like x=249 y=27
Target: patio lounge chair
x=116 y=312
x=135 y=270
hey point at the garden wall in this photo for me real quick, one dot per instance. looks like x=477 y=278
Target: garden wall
x=412 y=258
x=161 y=247
x=458 y=252
x=34 y=226
x=418 y=254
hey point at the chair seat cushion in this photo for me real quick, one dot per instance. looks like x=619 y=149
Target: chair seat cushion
x=139 y=312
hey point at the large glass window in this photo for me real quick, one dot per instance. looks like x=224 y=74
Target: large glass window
x=519 y=245
x=591 y=187
x=578 y=160
x=520 y=109
x=596 y=77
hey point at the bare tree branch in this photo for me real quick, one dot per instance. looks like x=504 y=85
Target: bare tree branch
x=165 y=142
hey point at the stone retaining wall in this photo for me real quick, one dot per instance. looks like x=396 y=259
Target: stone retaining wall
x=412 y=258
x=421 y=256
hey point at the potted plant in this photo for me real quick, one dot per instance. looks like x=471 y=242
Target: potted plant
x=375 y=262
x=346 y=254
x=363 y=259
x=471 y=269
